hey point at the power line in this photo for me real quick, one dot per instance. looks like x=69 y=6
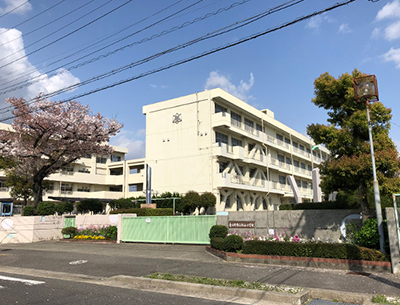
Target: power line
x=198 y=56
x=14 y=9
x=213 y=34
x=69 y=34
x=26 y=73
x=26 y=83
x=47 y=24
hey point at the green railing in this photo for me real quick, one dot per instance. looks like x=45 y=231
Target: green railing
x=168 y=229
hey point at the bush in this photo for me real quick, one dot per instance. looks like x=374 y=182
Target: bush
x=144 y=212
x=46 y=208
x=122 y=203
x=286 y=206
x=208 y=200
x=217 y=243
x=71 y=231
x=90 y=205
x=218 y=231
x=28 y=211
x=191 y=201
x=233 y=243
x=323 y=250
x=368 y=235
x=64 y=207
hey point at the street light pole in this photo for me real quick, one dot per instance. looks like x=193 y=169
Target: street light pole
x=377 y=196
x=366 y=87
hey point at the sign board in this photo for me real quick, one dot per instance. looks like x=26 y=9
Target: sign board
x=241 y=225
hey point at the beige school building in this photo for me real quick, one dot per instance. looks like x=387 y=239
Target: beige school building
x=209 y=141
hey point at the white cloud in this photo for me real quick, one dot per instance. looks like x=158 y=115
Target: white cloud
x=390 y=10
x=158 y=86
x=316 y=21
x=136 y=148
x=392 y=32
x=216 y=80
x=141 y=132
x=344 y=28
x=21 y=70
x=376 y=32
x=393 y=55
x=12 y=4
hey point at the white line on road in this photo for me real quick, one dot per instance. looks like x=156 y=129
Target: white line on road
x=14 y=279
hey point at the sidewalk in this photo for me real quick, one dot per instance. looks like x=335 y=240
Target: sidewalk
x=108 y=260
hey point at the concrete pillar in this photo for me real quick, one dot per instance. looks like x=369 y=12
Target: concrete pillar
x=393 y=240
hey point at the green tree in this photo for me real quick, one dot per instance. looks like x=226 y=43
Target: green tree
x=346 y=136
x=191 y=201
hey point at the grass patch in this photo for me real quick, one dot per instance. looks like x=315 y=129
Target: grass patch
x=225 y=283
x=382 y=299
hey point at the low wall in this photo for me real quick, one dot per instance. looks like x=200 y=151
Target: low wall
x=323 y=224
x=84 y=221
x=28 y=229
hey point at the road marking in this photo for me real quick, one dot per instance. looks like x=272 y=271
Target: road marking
x=14 y=279
x=78 y=262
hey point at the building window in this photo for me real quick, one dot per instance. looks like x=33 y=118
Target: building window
x=116 y=188
x=228 y=202
x=323 y=157
x=115 y=158
x=249 y=123
x=302 y=165
x=288 y=160
x=115 y=172
x=298 y=182
x=219 y=108
x=296 y=163
x=87 y=156
x=301 y=147
x=251 y=146
x=101 y=160
x=309 y=168
x=236 y=119
x=252 y=172
x=282 y=180
x=258 y=127
x=287 y=140
x=304 y=184
x=295 y=144
x=281 y=158
x=308 y=150
x=222 y=166
x=221 y=138
x=136 y=187
x=83 y=189
x=66 y=187
x=279 y=137
x=236 y=142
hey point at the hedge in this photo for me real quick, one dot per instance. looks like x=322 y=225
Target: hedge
x=144 y=212
x=323 y=250
x=218 y=231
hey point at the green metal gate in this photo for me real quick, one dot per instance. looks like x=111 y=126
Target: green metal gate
x=69 y=221
x=168 y=229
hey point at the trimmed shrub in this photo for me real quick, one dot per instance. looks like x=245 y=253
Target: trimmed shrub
x=233 y=243
x=208 y=200
x=286 y=206
x=28 y=211
x=323 y=250
x=368 y=235
x=46 y=208
x=122 y=203
x=71 y=231
x=191 y=201
x=218 y=231
x=145 y=212
x=217 y=243
x=90 y=205
x=64 y=207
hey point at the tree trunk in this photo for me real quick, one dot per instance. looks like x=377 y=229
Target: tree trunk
x=365 y=211
x=37 y=191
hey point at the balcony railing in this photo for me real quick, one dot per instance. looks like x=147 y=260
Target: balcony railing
x=236 y=123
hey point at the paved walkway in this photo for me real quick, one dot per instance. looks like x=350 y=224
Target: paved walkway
x=134 y=259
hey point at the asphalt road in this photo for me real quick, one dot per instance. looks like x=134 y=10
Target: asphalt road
x=60 y=292
x=106 y=260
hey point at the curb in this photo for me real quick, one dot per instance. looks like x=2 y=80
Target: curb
x=146 y=283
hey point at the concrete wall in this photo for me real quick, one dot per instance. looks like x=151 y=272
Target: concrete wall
x=27 y=229
x=393 y=239
x=323 y=224
x=84 y=221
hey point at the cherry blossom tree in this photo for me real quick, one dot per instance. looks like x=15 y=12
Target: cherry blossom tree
x=46 y=136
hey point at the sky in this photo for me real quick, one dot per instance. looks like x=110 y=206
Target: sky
x=107 y=54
